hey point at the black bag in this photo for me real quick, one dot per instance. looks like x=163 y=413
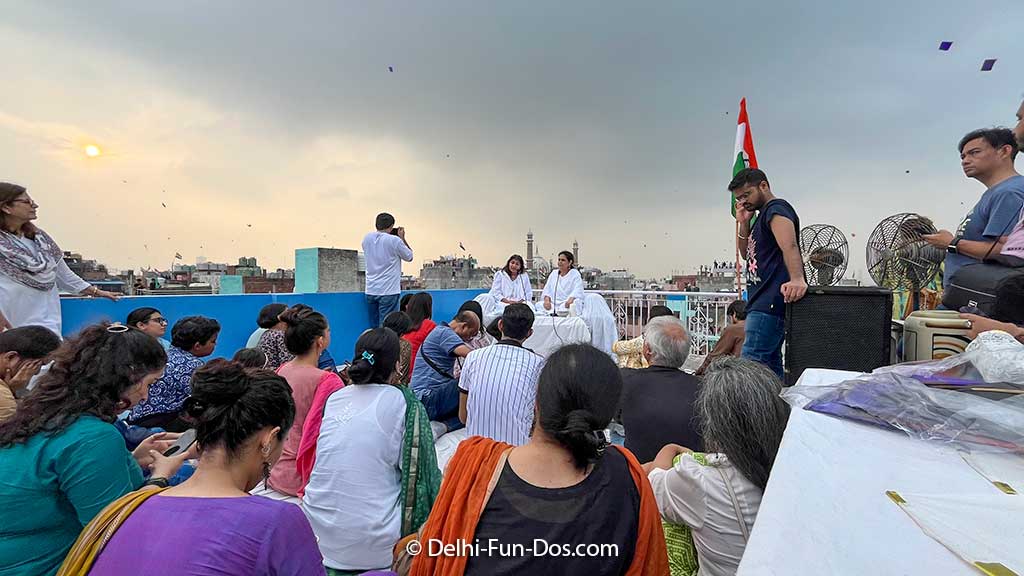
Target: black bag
x=975 y=285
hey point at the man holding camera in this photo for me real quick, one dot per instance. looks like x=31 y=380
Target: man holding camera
x=384 y=249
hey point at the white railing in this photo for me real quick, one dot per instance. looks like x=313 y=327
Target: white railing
x=703 y=312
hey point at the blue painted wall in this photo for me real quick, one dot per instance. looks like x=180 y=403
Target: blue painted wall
x=346 y=312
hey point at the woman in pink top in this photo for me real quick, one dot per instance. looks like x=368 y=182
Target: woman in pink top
x=420 y=309
x=307 y=335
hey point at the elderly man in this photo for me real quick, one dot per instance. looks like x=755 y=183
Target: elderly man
x=658 y=401
x=432 y=378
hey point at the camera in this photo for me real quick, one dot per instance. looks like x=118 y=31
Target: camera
x=395 y=229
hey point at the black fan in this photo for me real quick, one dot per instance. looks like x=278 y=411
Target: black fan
x=825 y=253
x=898 y=257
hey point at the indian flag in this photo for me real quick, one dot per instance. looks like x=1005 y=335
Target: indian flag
x=744 y=156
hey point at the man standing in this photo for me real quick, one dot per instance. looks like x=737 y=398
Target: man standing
x=499 y=382
x=775 y=271
x=658 y=401
x=986 y=155
x=432 y=378
x=384 y=249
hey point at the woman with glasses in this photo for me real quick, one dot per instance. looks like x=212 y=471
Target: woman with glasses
x=32 y=267
x=150 y=321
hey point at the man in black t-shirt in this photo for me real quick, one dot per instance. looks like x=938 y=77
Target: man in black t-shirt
x=775 y=271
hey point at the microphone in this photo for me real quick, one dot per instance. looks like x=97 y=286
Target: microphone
x=554 y=301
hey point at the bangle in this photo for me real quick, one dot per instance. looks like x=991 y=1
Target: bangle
x=741 y=236
x=157 y=481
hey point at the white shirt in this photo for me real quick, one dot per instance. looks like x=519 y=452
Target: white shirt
x=351 y=499
x=504 y=287
x=254 y=338
x=502 y=384
x=24 y=306
x=561 y=288
x=384 y=254
x=695 y=495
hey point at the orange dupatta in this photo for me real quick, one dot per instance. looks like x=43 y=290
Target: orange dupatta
x=458 y=507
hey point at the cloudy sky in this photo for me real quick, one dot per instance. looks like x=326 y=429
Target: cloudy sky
x=268 y=127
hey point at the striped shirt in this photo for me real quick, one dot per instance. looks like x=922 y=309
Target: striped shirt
x=501 y=381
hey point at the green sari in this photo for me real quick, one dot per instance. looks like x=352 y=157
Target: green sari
x=682 y=554
x=421 y=478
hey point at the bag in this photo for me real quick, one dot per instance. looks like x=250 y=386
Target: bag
x=403 y=559
x=975 y=285
x=100 y=530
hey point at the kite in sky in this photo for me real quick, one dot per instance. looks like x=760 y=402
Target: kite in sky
x=461 y=246
x=987 y=65
x=945 y=45
x=391 y=68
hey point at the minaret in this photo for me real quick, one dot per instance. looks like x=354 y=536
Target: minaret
x=576 y=252
x=529 y=250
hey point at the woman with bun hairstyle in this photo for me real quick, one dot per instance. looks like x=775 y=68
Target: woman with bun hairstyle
x=62 y=460
x=272 y=341
x=210 y=523
x=307 y=335
x=567 y=485
x=375 y=475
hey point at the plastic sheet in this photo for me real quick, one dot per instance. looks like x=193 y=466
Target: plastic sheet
x=897 y=397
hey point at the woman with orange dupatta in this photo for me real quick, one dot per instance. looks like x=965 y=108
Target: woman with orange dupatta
x=564 y=503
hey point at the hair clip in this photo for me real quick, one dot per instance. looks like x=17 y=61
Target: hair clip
x=117 y=328
x=368 y=356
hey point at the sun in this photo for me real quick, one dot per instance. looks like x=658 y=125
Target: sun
x=92 y=151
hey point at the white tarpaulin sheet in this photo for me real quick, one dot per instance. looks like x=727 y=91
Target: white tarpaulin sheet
x=825 y=510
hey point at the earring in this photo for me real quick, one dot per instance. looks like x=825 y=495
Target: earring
x=122 y=405
x=265 y=450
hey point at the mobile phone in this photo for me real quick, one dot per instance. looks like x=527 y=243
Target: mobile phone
x=184 y=442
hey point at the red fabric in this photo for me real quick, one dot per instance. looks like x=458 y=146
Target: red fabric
x=305 y=455
x=416 y=338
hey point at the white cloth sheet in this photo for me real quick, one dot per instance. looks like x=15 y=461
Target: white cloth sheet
x=593 y=309
x=825 y=510
x=552 y=332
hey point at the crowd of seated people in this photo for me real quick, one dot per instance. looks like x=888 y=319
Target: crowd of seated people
x=305 y=470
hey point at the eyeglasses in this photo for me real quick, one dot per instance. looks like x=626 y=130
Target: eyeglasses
x=162 y=321
x=28 y=201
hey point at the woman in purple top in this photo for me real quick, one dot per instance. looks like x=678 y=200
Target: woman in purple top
x=210 y=524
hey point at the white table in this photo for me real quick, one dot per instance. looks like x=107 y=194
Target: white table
x=825 y=510
x=552 y=332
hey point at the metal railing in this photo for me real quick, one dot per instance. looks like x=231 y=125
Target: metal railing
x=703 y=313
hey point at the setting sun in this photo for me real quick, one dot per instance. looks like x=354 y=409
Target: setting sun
x=92 y=151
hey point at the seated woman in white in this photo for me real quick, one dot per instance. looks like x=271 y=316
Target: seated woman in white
x=511 y=284
x=564 y=287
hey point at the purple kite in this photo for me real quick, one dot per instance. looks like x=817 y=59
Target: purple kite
x=987 y=65
x=945 y=45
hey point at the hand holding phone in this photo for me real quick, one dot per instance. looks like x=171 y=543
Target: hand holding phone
x=183 y=443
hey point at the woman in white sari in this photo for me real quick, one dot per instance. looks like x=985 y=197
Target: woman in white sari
x=511 y=284
x=564 y=287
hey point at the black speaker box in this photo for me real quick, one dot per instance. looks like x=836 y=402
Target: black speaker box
x=838 y=327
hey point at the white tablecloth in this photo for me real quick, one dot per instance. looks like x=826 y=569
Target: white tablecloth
x=825 y=510
x=551 y=333
x=597 y=319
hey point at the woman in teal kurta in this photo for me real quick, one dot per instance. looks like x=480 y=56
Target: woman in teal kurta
x=61 y=458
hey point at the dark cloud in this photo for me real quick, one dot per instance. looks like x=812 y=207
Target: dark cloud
x=600 y=108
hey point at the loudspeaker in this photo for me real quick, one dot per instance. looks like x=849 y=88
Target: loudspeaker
x=838 y=327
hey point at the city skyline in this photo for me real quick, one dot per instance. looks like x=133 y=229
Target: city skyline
x=146 y=130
